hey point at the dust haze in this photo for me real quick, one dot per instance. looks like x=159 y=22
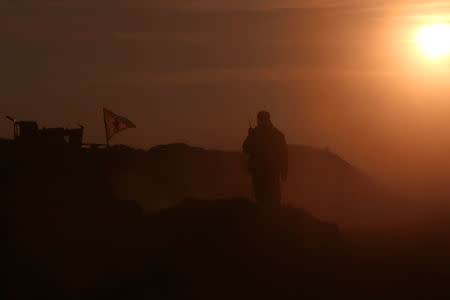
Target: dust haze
x=363 y=110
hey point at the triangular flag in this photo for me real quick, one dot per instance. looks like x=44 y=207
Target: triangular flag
x=115 y=123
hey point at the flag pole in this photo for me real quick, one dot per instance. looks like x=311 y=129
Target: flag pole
x=106 y=129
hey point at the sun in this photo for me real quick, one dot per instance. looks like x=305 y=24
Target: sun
x=434 y=40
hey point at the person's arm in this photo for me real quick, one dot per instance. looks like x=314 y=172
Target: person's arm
x=247 y=146
x=284 y=159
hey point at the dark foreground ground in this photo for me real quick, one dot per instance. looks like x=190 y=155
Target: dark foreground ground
x=68 y=237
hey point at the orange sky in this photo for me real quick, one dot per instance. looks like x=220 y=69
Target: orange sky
x=343 y=74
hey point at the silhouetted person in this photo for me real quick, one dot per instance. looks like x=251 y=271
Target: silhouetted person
x=268 y=160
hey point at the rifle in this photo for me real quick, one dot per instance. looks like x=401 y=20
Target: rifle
x=250 y=128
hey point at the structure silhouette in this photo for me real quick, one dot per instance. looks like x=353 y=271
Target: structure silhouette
x=268 y=160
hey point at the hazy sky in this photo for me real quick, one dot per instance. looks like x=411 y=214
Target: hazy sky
x=343 y=74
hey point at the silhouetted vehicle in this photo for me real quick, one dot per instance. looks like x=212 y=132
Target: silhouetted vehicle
x=28 y=134
x=268 y=160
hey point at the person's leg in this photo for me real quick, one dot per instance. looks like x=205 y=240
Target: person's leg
x=267 y=189
x=258 y=188
x=277 y=190
x=274 y=189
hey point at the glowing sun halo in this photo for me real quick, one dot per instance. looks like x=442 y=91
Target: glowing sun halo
x=434 y=40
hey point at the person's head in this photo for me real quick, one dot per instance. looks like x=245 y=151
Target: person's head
x=264 y=119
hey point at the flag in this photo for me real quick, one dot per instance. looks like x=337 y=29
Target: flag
x=115 y=123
